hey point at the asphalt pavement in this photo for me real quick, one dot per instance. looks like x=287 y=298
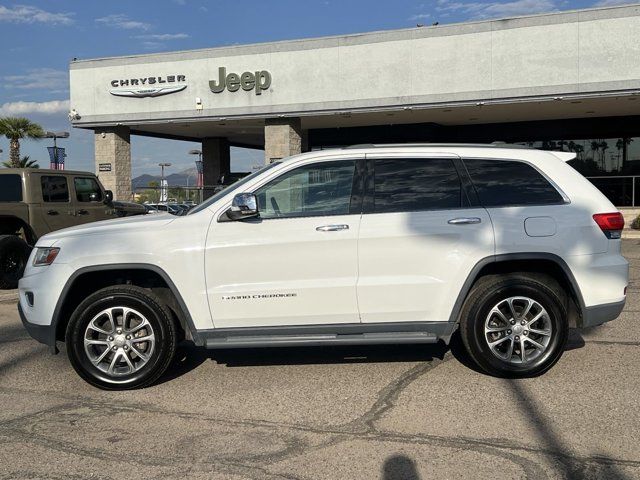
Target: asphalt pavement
x=385 y=412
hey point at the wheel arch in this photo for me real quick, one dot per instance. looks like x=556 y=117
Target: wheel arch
x=11 y=225
x=87 y=280
x=531 y=262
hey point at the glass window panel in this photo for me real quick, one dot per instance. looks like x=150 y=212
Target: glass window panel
x=55 y=189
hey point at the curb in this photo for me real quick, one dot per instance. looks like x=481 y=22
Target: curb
x=631 y=234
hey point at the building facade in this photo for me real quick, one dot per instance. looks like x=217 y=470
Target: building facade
x=568 y=81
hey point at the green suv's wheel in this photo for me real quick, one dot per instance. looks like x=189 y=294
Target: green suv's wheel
x=121 y=337
x=14 y=254
x=514 y=325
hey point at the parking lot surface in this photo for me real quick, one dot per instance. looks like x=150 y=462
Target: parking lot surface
x=385 y=412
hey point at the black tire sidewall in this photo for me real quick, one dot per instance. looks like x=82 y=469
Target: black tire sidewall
x=147 y=306
x=487 y=299
x=11 y=245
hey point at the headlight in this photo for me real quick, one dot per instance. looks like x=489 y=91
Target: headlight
x=45 y=256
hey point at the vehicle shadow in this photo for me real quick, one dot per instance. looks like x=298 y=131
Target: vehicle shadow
x=399 y=467
x=188 y=356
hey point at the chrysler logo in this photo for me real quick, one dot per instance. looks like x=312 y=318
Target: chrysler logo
x=148 y=86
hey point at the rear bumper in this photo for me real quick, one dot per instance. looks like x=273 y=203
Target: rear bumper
x=599 y=314
x=43 y=333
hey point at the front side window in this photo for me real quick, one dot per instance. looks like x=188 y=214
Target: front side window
x=312 y=190
x=412 y=184
x=87 y=190
x=10 y=188
x=501 y=183
x=55 y=189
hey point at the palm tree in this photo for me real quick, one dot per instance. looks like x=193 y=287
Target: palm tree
x=15 y=129
x=26 y=162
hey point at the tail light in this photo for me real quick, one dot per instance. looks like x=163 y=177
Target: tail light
x=611 y=224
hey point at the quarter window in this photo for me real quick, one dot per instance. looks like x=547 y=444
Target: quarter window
x=416 y=184
x=87 y=190
x=502 y=183
x=312 y=190
x=10 y=188
x=55 y=189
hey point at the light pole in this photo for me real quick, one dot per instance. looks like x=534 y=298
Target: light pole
x=162 y=185
x=56 y=136
x=200 y=182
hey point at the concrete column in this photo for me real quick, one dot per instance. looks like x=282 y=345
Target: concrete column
x=282 y=138
x=216 y=161
x=113 y=160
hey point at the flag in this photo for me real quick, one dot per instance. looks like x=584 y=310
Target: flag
x=200 y=182
x=56 y=157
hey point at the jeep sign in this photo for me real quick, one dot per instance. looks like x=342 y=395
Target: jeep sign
x=257 y=81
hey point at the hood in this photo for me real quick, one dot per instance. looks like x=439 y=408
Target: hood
x=140 y=222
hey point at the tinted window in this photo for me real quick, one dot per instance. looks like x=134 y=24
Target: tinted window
x=311 y=190
x=87 y=190
x=501 y=183
x=55 y=189
x=10 y=188
x=416 y=184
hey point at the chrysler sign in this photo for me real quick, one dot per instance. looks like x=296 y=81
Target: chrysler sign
x=148 y=86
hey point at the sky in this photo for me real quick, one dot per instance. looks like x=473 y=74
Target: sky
x=39 y=39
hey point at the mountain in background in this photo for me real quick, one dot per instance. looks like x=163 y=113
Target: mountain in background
x=180 y=179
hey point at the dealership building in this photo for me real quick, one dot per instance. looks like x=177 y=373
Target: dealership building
x=568 y=81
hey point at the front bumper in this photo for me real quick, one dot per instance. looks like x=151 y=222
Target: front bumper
x=599 y=314
x=43 y=333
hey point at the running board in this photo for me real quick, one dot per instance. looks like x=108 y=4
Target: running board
x=375 y=338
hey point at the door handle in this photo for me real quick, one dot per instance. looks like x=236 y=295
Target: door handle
x=464 y=221
x=53 y=212
x=332 y=228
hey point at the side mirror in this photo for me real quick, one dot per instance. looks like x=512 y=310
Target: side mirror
x=108 y=197
x=244 y=205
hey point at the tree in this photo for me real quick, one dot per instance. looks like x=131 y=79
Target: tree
x=26 y=162
x=15 y=129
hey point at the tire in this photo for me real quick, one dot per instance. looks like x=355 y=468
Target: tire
x=102 y=362
x=487 y=316
x=14 y=254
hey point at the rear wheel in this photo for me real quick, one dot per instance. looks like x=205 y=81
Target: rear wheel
x=120 y=338
x=14 y=254
x=515 y=325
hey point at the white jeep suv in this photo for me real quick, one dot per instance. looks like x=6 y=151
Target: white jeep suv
x=362 y=245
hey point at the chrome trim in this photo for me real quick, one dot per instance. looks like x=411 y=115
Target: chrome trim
x=332 y=228
x=464 y=221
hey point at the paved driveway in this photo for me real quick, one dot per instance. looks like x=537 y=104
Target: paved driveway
x=406 y=412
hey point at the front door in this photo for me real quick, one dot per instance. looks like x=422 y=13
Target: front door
x=89 y=200
x=419 y=238
x=297 y=263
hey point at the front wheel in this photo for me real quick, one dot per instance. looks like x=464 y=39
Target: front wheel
x=121 y=338
x=515 y=325
x=14 y=254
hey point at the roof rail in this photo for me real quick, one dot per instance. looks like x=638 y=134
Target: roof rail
x=472 y=145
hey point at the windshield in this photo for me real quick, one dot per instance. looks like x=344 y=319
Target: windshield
x=211 y=200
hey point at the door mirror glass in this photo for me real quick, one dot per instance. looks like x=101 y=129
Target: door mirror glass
x=244 y=205
x=108 y=196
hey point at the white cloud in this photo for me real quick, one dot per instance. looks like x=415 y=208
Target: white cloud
x=497 y=9
x=24 y=108
x=420 y=16
x=163 y=36
x=30 y=14
x=45 y=78
x=122 y=21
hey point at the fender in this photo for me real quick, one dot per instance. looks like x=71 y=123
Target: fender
x=123 y=266
x=505 y=257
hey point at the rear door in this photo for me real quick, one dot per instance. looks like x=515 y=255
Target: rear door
x=420 y=236
x=57 y=209
x=89 y=200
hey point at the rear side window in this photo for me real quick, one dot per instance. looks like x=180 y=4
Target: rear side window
x=412 y=184
x=501 y=183
x=87 y=190
x=10 y=188
x=55 y=189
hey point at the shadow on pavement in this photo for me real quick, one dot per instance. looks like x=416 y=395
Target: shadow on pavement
x=189 y=357
x=399 y=467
